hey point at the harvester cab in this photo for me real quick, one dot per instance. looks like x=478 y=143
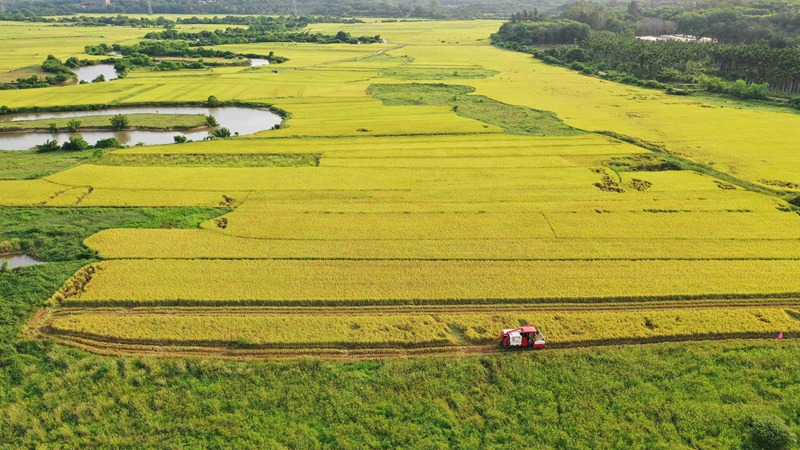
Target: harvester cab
x=523 y=337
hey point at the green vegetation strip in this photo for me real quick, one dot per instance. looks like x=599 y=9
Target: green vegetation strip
x=513 y=119
x=436 y=73
x=211 y=160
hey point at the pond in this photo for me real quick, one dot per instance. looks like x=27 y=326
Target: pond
x=237 y=119
x=89 y=73
x=258 y=62
x=15 y=261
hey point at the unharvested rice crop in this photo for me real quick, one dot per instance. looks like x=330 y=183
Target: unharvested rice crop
x=29 y=192
x=276 y=330
x=399 y=329
x=678 y=225
x=445 y=146
x=207 y=244
x=386 y=226
x=233 y=179
x=331 y=282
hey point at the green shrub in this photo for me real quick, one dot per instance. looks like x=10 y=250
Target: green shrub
x=108 y=143
x=211 y=120
x=49 y=145
x=180 y=139
x=771 y=433
x=75 y=143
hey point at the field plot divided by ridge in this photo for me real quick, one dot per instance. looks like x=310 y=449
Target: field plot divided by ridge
x=402 y=205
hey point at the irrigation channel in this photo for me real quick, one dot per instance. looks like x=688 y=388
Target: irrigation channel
x=237 y=119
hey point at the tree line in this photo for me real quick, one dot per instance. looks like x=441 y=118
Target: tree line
x=598 y=39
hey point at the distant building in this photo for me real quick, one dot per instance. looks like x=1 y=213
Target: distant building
x=677 y=37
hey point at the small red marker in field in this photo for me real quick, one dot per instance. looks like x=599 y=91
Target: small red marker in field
x=780 y=335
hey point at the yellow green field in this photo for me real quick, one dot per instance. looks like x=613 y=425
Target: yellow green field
x=424 y=194
x=376 y=330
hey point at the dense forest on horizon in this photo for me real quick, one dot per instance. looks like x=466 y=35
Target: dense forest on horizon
x=748 y=51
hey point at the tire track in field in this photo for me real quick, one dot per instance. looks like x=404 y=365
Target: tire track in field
x=39 y=328
x=344 y=354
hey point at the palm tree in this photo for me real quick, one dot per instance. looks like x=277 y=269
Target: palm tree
x=74 y=125
x=119 y=121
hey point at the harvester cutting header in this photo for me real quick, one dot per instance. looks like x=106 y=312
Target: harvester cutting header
x=523 y=337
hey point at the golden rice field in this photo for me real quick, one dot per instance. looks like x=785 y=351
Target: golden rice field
x=319 y=330
x=416 y=204
x=324 y=282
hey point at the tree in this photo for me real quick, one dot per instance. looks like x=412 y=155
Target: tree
x=53 y=128
x=211 y=121
x=119 y=121
x=179 y=139
x=99 y=79
x=634 y=12
x=74 y=125
x=213 y=101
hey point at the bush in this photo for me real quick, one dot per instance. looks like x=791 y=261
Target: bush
x=108 y=143
x=99 y=79
x=75 y=143
x=119 y=121
x=49 y=145
x=771 y=433
x=577 y=66
x=213 y=101
x=795 y=201
x=211 y=121
x=74 y=125
x=180 y=139
x=675 y=91
x=53 y=128
x=169 y=65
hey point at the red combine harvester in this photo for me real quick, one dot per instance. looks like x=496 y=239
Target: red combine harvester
x=523 y=337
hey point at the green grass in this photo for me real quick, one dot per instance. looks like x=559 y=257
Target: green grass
x=57 y=234
x=435 y=73
x=28 y=164
x=512 y=119
x=211 y=160
x=149 y=121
